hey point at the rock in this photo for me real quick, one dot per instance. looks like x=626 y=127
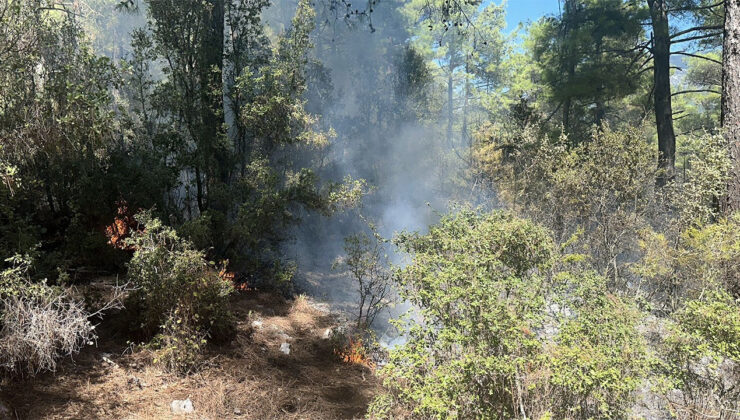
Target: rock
x=108 y=360
x=285 y=348
x=257 y=324
x=182 y=406
x=237 y=412
x=133 y=380
x=328 y=333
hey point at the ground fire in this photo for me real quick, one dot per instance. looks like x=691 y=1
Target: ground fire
x=355 y=352
x=232 y=278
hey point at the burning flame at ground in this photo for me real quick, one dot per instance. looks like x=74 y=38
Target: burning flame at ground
x=121 y=228
x=355 y=352
x=230 y=276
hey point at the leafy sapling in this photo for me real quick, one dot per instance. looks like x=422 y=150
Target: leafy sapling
x=368 y=263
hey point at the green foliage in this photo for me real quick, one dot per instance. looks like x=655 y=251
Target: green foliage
x=698 y=259
x=251 y=172
x=178 y=296
x=598 y=357
x=465 y=50
x=701 y=356
x=491 y=339
x=475 y=282
x=699 y=107
x=585 y=59
x=367 y=262
x=178 y=347
x=62 y=135
x=712 y=325
x=603 y=186
x=696 y=194
x=15 y=279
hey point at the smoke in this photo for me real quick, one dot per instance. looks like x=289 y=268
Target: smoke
x=108 y=27
x=374 y=90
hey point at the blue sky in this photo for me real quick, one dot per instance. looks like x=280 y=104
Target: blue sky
x=523 y=10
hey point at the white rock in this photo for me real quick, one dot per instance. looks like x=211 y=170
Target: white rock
x=285 y=348
x=106 y=358
x=182 y=406
x=256 y=324
x=328 y=333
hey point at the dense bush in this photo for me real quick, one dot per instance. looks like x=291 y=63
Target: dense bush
x=701 y=358
x=491 y=339
x=603 y=186
x=597 y=358
x=668 y=247
x=684 y=266
x=179 y=297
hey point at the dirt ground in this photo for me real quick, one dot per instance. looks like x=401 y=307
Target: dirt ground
x=247 y=379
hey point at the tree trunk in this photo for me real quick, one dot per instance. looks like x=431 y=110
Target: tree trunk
x=229 y=74
x=199 y=190
x=465 y=138
x=662 y=80
x=570 y=57
x=731 y=99
x=450 y=109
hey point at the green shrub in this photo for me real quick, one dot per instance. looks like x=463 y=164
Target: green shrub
x=178 y=296
x=598 y=357
x=700 y=356
x=700 y=258
x=496 y=336
x=603 y=186
x=179 y=345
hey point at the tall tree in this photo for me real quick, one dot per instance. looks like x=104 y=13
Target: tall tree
x=661 y=49
x=731 y=97
x=460 y=40
x=577 y=58
x=583 y=60
x=662 y=40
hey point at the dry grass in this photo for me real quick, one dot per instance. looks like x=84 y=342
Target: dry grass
x=250 y=377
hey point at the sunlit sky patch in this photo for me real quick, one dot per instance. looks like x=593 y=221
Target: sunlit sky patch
x=528 y=10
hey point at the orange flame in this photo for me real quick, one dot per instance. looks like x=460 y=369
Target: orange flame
x=355 y=353
x=230 y=276
x=121 y=228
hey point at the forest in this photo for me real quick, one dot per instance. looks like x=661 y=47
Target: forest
x=370 y=209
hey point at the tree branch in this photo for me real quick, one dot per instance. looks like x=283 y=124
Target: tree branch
x=697 y=56
x=697 y=28
x=644 y=70
x=696 y=91
x=686 y=9
x=694 y=38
